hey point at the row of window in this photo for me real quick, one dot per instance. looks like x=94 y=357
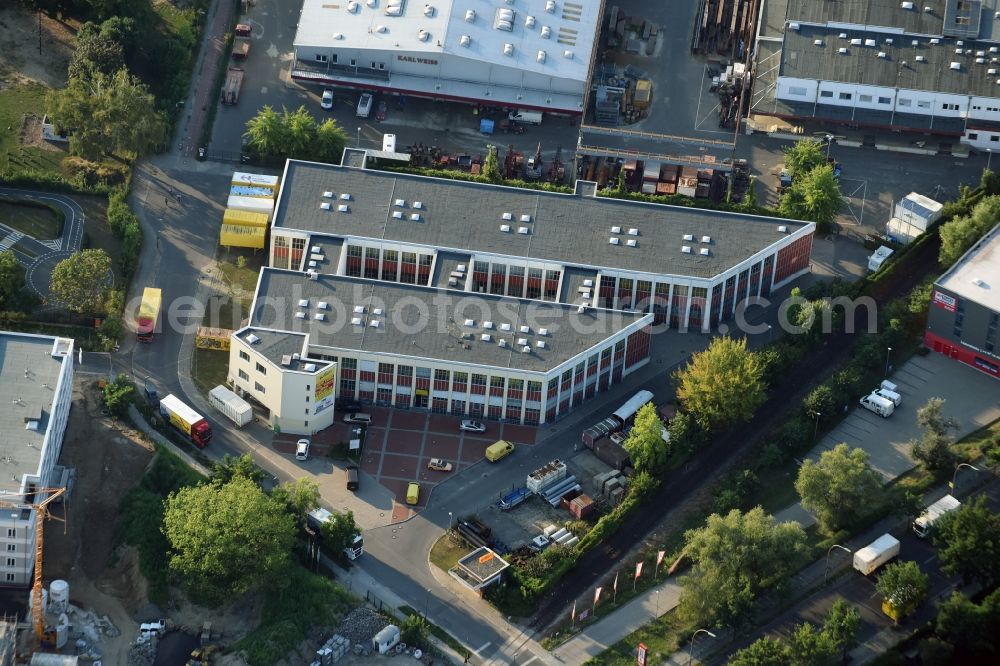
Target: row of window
x=333 y=60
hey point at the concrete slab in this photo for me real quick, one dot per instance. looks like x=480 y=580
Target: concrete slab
x=519 y=434
x=441 y=446
x=398 y=467
x=408 y=420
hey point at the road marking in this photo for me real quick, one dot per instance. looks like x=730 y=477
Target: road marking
x=533 y=658
x=481 y=648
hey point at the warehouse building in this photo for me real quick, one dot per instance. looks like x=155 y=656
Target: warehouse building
x=410 y=346
x=530 y=54
x=36 y=391
x=929 y=66
x=965 y=308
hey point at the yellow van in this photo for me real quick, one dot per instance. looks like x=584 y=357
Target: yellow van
x=413 y=493
x=498 y=450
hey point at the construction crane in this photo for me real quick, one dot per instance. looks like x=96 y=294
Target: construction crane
x=41 y=514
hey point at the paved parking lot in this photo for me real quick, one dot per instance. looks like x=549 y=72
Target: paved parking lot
x=973 y=399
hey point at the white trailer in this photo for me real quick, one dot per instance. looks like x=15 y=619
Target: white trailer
x=877 y=553
x=233 y=406
x=923 y=524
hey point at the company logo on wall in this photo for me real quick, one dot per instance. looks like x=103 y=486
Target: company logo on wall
x=945 y=301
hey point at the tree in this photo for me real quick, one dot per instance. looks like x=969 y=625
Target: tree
x=299 y=496
x=736 y=556
x=839 y=488
x=491 y=165
x=816 y=197
x=108 y=114
x=804 y=156
x=723 y=385
x=11 y=278
x=764 y=651
x=300 y=132
x=962 y=232
x=750 y=197
x=841 y=625
x=964 y=623
x=934 y=447
x=806 y=645
x=338 y=533
x=266 y=133
x=231 y=467
x=809 y=646
x=413 y=630
x=81 y=281
x=968 y=539
x=645 y=443
x=685 y=433
x=227 y=539
x=96 y=51
x=330 y=141
x=118 y=394
x=821 y=400
x=903 y=585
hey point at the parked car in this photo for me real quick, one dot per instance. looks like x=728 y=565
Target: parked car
x=365 y=105
x=326 y=102
x=302 y=449
x=380 y=111
x=358 y=417
x=472 y=426
x=439 y=465
x=413 y=493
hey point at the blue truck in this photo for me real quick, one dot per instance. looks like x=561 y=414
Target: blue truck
x=512 y=499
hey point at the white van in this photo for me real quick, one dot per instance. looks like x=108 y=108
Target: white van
x=365 y=105
x=890 y=395
x=525 y=117
x=889 y=386
x=876 y=403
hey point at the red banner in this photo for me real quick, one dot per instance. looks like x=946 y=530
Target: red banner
x=945 y=301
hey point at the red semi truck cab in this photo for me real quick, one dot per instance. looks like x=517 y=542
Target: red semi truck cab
x=185 y=419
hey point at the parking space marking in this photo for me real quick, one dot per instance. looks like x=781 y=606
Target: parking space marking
x=481 y=648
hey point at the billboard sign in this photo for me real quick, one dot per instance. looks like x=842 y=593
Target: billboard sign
x=324 y=388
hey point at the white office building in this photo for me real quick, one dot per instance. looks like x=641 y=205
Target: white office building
x=530 y=54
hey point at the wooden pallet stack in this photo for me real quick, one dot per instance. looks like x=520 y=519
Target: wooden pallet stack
x=722 y=25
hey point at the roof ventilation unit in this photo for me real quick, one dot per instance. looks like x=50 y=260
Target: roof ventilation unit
x=374 y=323
x=338 y=35
x=371 y=3
x=540 y=344
x=507 y=216
x=633 y=232
x=487 y=324
x=345 y=196
x=401 y=203
x=319 y=316
x=325 y=205
x=843 y=35
x=508 y=49
x=706 y=239
x=428 y=10
x=504 y=19
x=689 y=237
x=423 y=35
x=377 y=311
x=343 y=208
x=418 y=205
x=540 y=57
x=501 y=343
x=980 y=53
x=704 y=252
x=906 y=5
x=505 y=228
x=568 y=54
x=935 y=40
x=353 y=6
x=960 y=42
x=991 y=72
x=614 y=240
x=253 y=339
x=915 y=42
x=993 y=49
x=793 y=26
x=415 y=217
x=842 y=50
x=550 y=6
x=881 y=54
x=309 y=367
x=888 y=40
x=526 y=349
x=470 y=15
x=286 y=359
x=817 y=42
x=356 y=321
x=543 y=331
x=300 y=315
x=529 y=21
x=394 y=8
x=869 y=42
x=921 y=58
x=546 y=31
x=980 y=61
x=486 y=337
x=398 y=214
x=359 y=309
x=959 y=51
x=526 y=218
x=304 y=303
x=313 y=275
x=525 y=329
x=856 y=41
x=631 y=242
x=978 y=282
x=470 y=322
x=522 y=230
x=686 y=249
x=380 y=28
x=522 y=341
x=323 y=305
x=955 y=65
x=782 y=229
x=505 y=326
x=328 y=195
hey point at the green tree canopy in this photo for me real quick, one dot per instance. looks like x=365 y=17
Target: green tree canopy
x=491 y=165
x=839 y=488
x=108 y=114
x=804 y=156
x=227 y=539
x=816 y=197
x=645 y=443
x=723 y=385
x=934 y=446
x=299 y=496
x=961 y=232
x=230 y=467
x=11 y=278
x=81 y=281
x=971 y=627
x=842 y=624
x=338 y=533
x=968 y=540
x=118 y=394
x=903 y=585
x=95 y=52
x=806 y=645
x=295 y=134
x=764 y=651
x=736 y=556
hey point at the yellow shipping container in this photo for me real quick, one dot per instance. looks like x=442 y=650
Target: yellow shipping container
x=244 y=218
x=643 y=93
x=239 y=236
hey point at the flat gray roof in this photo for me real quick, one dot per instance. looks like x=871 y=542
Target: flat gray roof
x=275 y=345
x=429 y=323
x=564 y=228
x=976 y=276
x=884 y=13
x=29 y=375
x=802 y=58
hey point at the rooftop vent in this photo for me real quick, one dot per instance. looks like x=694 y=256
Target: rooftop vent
x=869 y=42
x=842 y=50
x=325 y=205
x=540 y=56
x=508 y=49
x=505 y=228
x=505 y=326
x=856 y=41
x=470 y=15
x=980 y=61
x=817 y=42
x=394 y=8
x=374 y=323
x=959 y=51
x=921 y=58
x=978 y=282
x=486 y=337
x=401 y=203
x=504 y=19
x=398 y=214
x=286 y=359
x=338 y=35
x=631 y=242
x=546 y=31
x=568 y=54
x=906 y=5
x=915 y=42
x=487 y=324
x=935 y=40
x=686 y=249
x=614 y=240
x=993 y=49
x=704 y=252
x=507 y=216
x=843 y=35
x=526 y=218
x=253 y=339
x=377 y=311
x=550 y=6
x=357 y=321
x=344 y=208
x=540 y=344
x=380 y=28
x=529 y=21
x=359 y=309
x=428 y=10
x=689 y=237
x=526 y=349
x=522 y=230
x=345 y=196
x=415 y=217
x=323 y=305
x=304 y=303
x=980 y=53
x=633 y=232
x=419 y=205
x=371 y=3
x=470 y=322
x=888 y=40
x=543 y=331
x=616 y=230
x=328 y=195
x=881 y=54
x=522 y=341
x=782 y=229
x=991 y=71
x=300 y=315
x=423 y=35
x=525 y=329
x=960 y=42
x=319 y=316
x=309 y=367
x=353 y=6
x=793 y=26
x=955 y=65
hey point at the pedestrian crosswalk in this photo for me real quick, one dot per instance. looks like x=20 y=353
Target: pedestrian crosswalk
x=10 y=240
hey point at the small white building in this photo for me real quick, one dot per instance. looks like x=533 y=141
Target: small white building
x=532 y=54
x=36 y=390
x=912 y=215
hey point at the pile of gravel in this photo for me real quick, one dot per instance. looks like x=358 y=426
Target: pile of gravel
x=361 y=625
x=142 y=654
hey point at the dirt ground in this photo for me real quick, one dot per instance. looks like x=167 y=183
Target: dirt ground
x=22 y=60
x=108 y=463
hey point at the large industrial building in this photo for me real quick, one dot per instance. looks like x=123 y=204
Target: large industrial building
x=36 y=391
x=931 y=66
x=965 y=308
x=481 y=299
x=531 y=54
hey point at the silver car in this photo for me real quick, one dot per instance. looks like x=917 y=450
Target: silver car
x=472 y=426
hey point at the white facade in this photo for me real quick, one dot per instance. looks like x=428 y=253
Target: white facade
x=37 y=373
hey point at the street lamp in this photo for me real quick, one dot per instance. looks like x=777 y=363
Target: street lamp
x=359 y=138
x=656 y=595
x=989 y=156
x=450 y=521
x=955 y=475
x=694 y=636
x=829 y=142
x=888 y=350
x=816 y=428
x=427 y=602
x=826 y=570
x=769 y=329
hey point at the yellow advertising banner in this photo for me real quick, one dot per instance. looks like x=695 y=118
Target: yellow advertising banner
x=213 y=338
x=325 y=383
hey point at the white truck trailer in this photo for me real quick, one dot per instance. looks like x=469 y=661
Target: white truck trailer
x=923 y=524
x=233 y=406
x=875 y=554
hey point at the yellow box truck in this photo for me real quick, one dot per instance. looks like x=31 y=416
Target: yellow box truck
x=498 y=450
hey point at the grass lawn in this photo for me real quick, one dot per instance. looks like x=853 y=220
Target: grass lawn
x=224 y=312
x=777 y=488
x=209 y=368
x=661 y=638
x=445 y=553
x=14 y=103
x=37 y=220
x=245 y=277
x=438 y=632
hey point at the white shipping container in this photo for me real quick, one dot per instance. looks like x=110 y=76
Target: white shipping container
x=252 y=204
x=241 y=178
x=234 y=407
x=875 y=554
